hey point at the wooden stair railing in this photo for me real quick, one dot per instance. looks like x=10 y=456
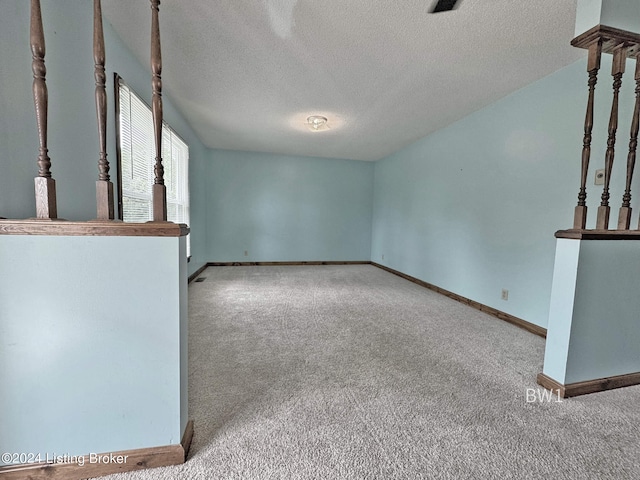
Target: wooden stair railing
x=159 y=188
x=45 y=185
x=617 y=70
x=104 y=186
x=624 y=216
x=593 y=65
x=621 y=44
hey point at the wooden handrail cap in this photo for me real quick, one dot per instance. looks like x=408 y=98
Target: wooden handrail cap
x=598 y=234
x=96 y=228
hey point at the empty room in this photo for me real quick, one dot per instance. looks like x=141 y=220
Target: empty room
x=295 y=239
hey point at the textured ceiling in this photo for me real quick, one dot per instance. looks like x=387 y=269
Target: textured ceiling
x=247 y=73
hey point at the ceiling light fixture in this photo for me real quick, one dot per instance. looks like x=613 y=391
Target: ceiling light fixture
x=317 y=122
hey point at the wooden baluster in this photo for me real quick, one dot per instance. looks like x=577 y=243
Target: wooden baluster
x=45 y=185
x=624 y=217
x=593 y=65
x=159 y=189
x=104 y=187
x=619 y=59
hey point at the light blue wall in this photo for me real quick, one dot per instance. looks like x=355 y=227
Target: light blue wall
x=92 y=360
x=281 y=208
x=594 y=330
x=473 y=207
x=73 y=143
x=563 y=291
x=623 y=14
x=588 y=13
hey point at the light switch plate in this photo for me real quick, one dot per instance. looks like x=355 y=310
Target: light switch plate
x=599 y=177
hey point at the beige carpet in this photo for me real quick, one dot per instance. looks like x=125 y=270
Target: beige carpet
x=349 y=372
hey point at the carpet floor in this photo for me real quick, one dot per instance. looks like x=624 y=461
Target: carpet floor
x=350 y=372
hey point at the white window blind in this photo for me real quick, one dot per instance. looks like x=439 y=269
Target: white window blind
x=137 y=159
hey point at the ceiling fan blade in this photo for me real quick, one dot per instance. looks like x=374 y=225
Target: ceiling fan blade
x=444 y=6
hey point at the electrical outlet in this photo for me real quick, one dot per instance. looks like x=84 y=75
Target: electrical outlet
x=505 y=294
x=383 y=256
x=246 y=253
x=599 y=177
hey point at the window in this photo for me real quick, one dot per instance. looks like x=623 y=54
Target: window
x=136 y=158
